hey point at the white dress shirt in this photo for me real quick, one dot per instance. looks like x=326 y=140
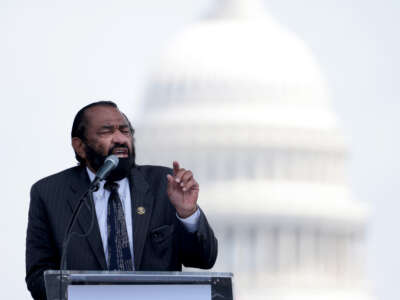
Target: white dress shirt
x=100 y=198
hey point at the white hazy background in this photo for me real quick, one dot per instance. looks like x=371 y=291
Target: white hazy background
x=57 y=56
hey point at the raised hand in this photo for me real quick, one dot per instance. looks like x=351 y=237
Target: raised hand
x=183 y=191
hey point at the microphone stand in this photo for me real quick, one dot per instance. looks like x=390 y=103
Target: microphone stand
x=94 y=186
x=109 y=164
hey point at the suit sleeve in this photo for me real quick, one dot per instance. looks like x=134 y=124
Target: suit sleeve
x=41 y=253
x=197 y=249
x=200 y=248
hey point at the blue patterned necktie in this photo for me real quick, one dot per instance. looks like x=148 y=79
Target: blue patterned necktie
x=119 y=253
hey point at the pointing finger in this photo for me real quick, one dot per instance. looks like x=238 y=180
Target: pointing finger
x=175 y=165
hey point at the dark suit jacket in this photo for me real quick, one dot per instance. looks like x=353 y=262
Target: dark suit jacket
x=160 y=241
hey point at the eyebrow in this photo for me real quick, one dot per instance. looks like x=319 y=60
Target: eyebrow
x=110 y=127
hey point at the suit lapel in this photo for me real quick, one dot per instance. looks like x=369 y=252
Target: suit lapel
x=141 y=198
x=79 y=187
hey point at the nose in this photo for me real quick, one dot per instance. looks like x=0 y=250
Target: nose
x=119 y=138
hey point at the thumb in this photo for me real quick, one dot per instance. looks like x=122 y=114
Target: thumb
x=170 y=179
x=170 y=184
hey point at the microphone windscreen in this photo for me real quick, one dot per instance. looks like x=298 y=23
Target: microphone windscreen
x=113 y=159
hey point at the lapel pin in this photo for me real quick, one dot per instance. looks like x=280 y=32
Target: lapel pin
x=140 y=210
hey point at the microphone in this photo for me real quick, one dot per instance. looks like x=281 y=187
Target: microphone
x=110 y=163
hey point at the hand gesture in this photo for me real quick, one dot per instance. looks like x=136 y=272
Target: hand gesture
x=182 y=191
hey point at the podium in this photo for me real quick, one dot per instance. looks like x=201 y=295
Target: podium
x=115 y=285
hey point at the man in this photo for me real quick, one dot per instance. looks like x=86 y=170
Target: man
x=147 y=217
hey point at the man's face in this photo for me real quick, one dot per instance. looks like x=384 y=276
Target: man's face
x=107 y=132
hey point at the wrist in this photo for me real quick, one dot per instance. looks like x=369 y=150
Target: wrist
x=185 y=213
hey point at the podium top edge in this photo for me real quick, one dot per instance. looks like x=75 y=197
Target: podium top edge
x=79 y=274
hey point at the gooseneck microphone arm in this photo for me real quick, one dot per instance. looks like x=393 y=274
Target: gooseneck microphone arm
x=69 y=233
x=110 y=163
x=75 y=214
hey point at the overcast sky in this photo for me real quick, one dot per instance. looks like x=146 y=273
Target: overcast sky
x=57 y=56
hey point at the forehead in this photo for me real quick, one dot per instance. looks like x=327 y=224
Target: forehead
x=98 y=116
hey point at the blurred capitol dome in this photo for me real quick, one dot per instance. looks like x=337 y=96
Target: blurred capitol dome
x=241 y=102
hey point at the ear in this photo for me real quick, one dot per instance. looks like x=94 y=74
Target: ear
x=79 y=147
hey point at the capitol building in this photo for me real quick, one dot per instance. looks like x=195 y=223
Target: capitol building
x=241 y=101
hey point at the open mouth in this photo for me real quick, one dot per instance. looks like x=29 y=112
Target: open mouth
x=121 y=152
